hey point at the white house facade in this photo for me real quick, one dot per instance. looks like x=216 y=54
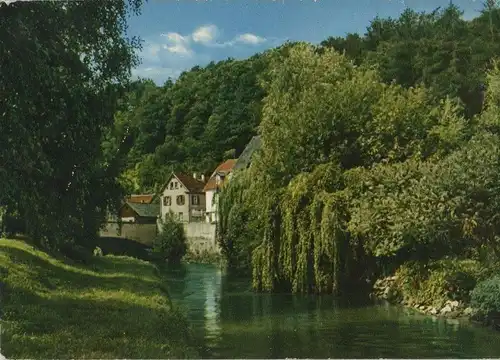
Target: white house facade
x=213 y=186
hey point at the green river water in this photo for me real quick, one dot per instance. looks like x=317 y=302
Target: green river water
x=230 y=321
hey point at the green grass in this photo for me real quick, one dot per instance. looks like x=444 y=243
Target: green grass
x=113 y=308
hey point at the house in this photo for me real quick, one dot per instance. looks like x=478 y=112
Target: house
x=139 y=213
x=183 y=195
x=221 y=174
x=246 y=156
x=138 y=222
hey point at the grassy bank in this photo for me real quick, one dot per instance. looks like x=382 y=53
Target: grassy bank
x=112 y=308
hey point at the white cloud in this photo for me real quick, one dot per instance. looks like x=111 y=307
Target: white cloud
x=167 y=55
x=249 y=39
x=178 y=44
x=205 y=34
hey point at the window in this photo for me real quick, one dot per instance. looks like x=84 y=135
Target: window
x=181 y=216
x=167 y=201
x=176 y=185
x=195 y=200
x=172 y=185
x=180 y=200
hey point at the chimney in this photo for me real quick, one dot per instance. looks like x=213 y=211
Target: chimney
x=202 y=177
x=194 y=175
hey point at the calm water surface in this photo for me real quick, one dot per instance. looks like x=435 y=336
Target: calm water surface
x=231 y=321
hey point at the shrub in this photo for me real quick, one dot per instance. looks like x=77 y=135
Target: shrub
x=170 y=245
x=439 y=281
x=485 y=298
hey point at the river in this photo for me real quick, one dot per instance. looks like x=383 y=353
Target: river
x=230 y=321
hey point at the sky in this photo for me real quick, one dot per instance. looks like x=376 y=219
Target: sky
x=179 y=34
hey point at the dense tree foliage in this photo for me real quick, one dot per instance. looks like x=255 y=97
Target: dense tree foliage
x=439 y=49
x=63 y=66
x=356 y=175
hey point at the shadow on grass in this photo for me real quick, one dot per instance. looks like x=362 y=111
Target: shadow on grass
x=58 y=327
x=111 y=274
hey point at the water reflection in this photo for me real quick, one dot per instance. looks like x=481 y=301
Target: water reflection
x=213 y=289
x=233 y=322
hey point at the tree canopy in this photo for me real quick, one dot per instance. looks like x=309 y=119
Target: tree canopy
x=64 y=65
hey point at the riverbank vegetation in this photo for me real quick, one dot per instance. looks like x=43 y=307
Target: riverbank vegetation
x=114 y=307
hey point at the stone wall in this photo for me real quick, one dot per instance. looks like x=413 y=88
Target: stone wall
x=200 y=237
x=142 y=233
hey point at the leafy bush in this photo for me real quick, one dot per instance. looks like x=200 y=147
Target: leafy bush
x=439 y=281
x=486 y=297
x=171 y=244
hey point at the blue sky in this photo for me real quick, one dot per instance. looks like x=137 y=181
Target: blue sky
x=179 y=34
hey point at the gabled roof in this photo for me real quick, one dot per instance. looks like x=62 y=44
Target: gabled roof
x=190 y=183
x=140 y=199
x=246 y=156
x=144 y=210
x=223 y=169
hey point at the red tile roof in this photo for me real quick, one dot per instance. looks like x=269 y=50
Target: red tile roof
x=192 y=184
x=225 y=168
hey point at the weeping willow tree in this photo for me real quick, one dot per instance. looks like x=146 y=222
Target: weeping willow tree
x=238 y=230
x=325 y=120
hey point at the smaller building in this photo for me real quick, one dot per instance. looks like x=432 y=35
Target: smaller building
x=139 y=213
x=183 y=195
x=138 y=222
x=221 y=174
